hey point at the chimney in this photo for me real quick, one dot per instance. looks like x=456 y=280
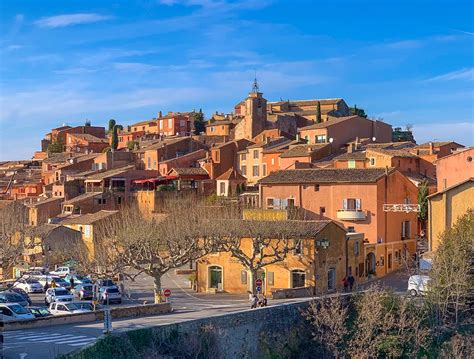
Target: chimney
x=160 y=114
x=350 y=148
x=297 y=137
x=356 y=144
x=431 y=148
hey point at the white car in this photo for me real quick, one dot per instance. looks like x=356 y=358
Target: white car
x=14 y=311
x=418 y=284
x=61 y=271
x=29 y=285
x=58 y=295
x=42 y=279
x=66 y=308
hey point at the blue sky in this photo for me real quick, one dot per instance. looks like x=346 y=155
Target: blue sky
x=403 y=61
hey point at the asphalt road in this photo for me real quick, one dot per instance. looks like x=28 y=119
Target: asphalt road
x=49 y=341
x=46 y=343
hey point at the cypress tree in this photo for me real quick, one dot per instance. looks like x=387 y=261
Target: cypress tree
x=318 y=113
x=115 y=136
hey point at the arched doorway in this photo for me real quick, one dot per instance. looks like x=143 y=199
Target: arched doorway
x=215 y=277
x=370 y=263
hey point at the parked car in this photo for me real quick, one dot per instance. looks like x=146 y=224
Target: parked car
x=109 y=295
x=61 y=271
x=14 y=311
x=22 y=293
x=8 y=296
x=105 y=283
x=42 y=270
x=58 y=295
x=418 y=284
x=39 y=312
x=78 y=279
x=83 y=291
x=29 y=285
x=88 y=305
x=60 y=282
x=66 y=308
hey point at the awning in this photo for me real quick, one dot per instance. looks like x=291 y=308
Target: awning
x=155 y=180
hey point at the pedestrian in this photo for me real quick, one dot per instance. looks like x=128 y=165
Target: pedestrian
x=46 y=286
x=345 y=283
x=263 y=301
x=351 y=281
x=53 y=284
x=254 y=302
x=71 y=281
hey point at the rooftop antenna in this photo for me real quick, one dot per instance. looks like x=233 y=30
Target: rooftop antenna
x=255 y=84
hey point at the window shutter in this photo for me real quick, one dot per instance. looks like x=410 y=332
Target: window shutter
x=344 y=204
x=358 y=204
x=276 y=203
x=403 y=229
x=243 y=277
x=270 y=278
x=284 y=203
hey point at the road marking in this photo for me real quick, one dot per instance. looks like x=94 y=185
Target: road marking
x=52 y=337
x=184 y=290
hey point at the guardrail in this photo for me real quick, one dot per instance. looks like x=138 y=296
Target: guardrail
x=117 y=312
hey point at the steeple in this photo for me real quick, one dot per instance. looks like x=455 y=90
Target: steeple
x=255 y=88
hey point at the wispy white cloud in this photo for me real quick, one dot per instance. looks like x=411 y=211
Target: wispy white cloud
x=76 y=71
x=463 y=74
x=70 y=19
x=134 y=66
x=405 y=44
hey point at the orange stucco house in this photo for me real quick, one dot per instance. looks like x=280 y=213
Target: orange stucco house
x=355 y=198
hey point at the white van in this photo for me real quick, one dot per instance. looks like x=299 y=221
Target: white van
x=61 y=271
x=14 y=311
x=418 y=284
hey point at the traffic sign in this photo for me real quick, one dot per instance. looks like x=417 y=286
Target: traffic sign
x=167 y=292
x=259 y=289
x=258 y=282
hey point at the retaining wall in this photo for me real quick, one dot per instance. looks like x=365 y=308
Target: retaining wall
x=116 y=312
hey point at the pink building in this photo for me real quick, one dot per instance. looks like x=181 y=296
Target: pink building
x=455 y=168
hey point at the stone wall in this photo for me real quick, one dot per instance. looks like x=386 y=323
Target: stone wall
x=271 y=332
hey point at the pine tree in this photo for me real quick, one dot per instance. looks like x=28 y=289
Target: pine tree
x=111 y=124
x=198 y=122
x=318 y=113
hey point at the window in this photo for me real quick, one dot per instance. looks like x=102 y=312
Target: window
x=351 y=164
x=332 y=278
x=212 y=129
x=306 y=138
x=316 y=187
x=406 y=229
x=182 y=123
x=273 y=161
x=170 y=123
x=222 y=188
x=243 y=169
x=255 y=154
x=351 y=204
x=149 y=162
x=298 y=278
x=119 y=200
x=270 y=203
x=390 y=261
x=243 y=277
x=320 y=139
x=270 y=278
x=80 y=229
x=372 y=161
x=243 y=157
x=264 y=169
x=255 y=171
x=356 y=248
x=350 y=229
x=322 y=210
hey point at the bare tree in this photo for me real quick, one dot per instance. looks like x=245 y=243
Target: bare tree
x=328 y=317
x=270 y=241
x=452 y=272
x=154 y=246
x=13 y=225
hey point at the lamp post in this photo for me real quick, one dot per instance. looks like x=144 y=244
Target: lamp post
x=324 y=244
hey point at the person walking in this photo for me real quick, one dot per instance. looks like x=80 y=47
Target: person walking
x=254 y=302
x=263 y=301
x=351 y=281
x=71 y=282
x=345 y=283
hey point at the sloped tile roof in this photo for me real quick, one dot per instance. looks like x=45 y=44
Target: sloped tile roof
x=325 y=175
x=302 y=150
x=329 y=123
x=89 y=218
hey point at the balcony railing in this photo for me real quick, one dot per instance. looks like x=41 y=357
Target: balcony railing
x=351 y=215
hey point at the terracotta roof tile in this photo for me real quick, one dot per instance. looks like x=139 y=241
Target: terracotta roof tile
x=328 y=123
x=325 y=175
x=303 y=150
x=89 y=218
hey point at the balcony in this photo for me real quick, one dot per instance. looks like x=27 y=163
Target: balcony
x=351 y=215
